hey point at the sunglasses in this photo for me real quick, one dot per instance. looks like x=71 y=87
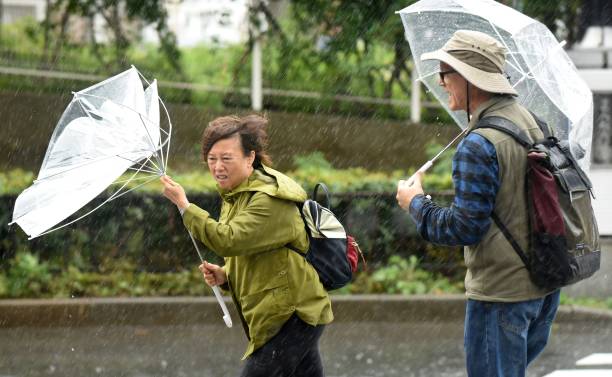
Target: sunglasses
x=444 y=73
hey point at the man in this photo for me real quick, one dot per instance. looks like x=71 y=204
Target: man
x=508 y=318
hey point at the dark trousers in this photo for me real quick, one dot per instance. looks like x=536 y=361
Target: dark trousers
x=293 y=352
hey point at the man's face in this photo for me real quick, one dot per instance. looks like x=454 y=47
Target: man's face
x=455 y=85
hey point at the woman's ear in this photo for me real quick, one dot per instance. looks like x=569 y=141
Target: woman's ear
x=251 y=158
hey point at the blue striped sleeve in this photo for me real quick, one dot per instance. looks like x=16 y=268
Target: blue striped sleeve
x=476 y=180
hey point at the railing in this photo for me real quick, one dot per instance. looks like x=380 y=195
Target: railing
x=416 y=104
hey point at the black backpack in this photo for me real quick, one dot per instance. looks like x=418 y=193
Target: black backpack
x=332 y=252
x=564 y=239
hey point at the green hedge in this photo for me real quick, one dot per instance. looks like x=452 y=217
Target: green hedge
x=137 y=245
x=26 y=276
x=147 y=230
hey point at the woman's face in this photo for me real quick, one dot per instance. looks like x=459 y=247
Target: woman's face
x=228 y=164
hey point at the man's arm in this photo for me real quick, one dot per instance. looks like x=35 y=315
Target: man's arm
x=476 y=180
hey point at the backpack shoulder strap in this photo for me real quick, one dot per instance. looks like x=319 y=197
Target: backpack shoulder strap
x=510 y=239
x=507 y=127
x=543 y=125
x=289 y=245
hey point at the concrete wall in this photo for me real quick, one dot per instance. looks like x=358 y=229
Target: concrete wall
x=189 y=310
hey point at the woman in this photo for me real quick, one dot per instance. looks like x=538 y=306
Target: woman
x=281 y=302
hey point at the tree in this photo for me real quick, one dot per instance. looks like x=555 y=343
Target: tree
x=562 y=17
x=332 y=32
x=121 y=19
x=354 y=27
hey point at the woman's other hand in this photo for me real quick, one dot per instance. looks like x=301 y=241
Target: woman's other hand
x=174 y=192
x=213 y=274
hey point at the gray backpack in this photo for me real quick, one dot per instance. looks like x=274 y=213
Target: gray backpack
x=564 y=239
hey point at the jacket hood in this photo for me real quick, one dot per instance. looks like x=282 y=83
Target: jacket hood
x=270 y=182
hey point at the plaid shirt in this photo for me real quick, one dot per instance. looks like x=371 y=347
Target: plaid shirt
x=476 y=181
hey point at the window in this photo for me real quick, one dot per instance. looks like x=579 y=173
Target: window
x=602 y=131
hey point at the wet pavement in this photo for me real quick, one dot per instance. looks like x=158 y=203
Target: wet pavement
x=355 y=349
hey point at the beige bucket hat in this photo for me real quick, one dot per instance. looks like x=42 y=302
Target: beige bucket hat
x=478 y=57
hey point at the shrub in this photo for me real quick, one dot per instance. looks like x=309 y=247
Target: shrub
x=28 y=277
x=142 y=232
x=403 y=276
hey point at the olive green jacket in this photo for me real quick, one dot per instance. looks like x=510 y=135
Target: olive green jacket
x=494 y=270
x=268 y=281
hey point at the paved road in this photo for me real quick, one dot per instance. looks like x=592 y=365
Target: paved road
x=350 y=349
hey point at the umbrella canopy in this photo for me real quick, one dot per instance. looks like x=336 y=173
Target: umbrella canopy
x=539 y=69
x=106 y=130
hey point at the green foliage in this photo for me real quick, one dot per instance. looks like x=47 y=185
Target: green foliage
x=402 y=276
x=27 y=277
x=310 y=170
x=343 y=180
x=139 y=237
x=592 y=302
x=312 y=163
x=15 y=181
x=338 y=47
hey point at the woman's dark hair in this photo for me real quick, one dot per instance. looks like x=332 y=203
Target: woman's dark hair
x=250 y=128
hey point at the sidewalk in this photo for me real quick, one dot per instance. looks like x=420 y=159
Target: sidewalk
x=374 y=335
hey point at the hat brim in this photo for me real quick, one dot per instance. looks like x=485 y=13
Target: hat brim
x=488 y=81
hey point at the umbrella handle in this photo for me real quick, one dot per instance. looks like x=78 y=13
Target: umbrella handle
x=226 y=316
x=422 y=169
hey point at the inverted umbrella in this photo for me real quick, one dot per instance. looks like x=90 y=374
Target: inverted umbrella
x=108 y=129
x=538 y=68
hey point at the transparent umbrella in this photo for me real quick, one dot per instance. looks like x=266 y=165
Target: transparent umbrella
x=109 y=129
x=538 y=67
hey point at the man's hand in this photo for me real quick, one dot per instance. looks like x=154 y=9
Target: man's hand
x=213 y=274
x=174 y=192
x=406 y=192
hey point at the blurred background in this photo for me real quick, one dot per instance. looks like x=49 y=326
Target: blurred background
x=334 y=77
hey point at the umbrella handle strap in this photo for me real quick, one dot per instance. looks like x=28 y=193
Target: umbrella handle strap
x=226 y=316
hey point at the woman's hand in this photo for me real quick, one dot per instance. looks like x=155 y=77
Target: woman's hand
x=174 y=192
x=213 y=274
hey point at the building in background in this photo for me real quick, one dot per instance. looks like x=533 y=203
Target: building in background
x=13 y=10
x=593 y=58
x=197 y=22
x=193 y=21
x=225 y=22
